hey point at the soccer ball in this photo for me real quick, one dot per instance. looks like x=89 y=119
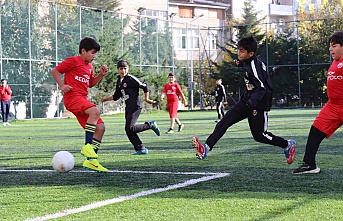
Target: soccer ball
x=63 y=161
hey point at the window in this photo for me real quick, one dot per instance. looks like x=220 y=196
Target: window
x=212 y=13
x=148 y=15
x=186 y=12
x=194 y=37
x=211 y=42
x=181 y=37
x=187 y=39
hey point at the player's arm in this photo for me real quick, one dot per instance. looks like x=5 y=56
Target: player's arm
x=182 y=96
x=147 y=99
x=162 y=96
x=179 y=92
x=117 y=94
x=96 y=79
x=260 y=90
x=104 y=99
x=8 y=90
x=57 y=77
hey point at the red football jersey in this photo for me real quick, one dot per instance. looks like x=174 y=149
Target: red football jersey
x=77 y=74
x=335 y=82
x=172 y=91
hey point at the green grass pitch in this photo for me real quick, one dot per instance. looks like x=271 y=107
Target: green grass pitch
x=239 y=180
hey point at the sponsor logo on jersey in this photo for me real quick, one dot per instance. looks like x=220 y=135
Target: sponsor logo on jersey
x=332 y=76
x=83 y=79
x=170 y=92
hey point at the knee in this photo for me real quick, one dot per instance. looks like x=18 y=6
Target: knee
x=259 y=137
x=101 y=128
x=128 y=129
x=94 y=112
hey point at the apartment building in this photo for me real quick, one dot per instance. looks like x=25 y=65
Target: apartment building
x=197 y=24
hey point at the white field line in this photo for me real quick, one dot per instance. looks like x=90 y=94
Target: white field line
x=116 y=171
x=210 y=176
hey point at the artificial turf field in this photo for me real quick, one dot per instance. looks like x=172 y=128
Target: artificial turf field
x=239 y=180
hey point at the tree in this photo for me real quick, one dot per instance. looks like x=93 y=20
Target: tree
x=226 y=69
x=315 y=28
x=100 y=4
x=16 y=42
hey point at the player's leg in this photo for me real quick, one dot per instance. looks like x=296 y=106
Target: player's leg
x=258 y=122
x=181 y=125
x=234 y=115
x=2 y=112
x=314 y=139
x=218 y=112
x=326 y=123
x=94 y=164
x=222 y=109
x=87 y=114
x=132 y=129
x=91 y=124
x=7 y=111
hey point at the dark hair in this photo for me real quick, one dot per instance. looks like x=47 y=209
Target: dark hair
x=3 y=79
x=337 y=38
x=88 y=44
x=171 y=74
x=122 y=63
x=217 y=79
x=248 y=43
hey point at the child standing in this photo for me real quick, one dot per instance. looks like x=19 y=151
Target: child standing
x=127 y=88
x=220 y=94
x=5 y=97
x=254 y=105
x=78 y=77
x=172 y=90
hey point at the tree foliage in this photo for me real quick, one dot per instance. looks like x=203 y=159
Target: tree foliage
x=100 y=4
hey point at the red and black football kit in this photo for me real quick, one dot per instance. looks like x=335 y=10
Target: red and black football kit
x=172 y=91
x=77 y=74
x=127 y=88
x=330 y=117
x=254 y=104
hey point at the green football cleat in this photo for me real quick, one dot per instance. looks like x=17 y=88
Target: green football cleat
x=94 y=165
x=88 y=151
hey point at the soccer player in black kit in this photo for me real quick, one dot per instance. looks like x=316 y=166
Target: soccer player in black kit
x=127 y=88
x=254 y=104
x=220 y=94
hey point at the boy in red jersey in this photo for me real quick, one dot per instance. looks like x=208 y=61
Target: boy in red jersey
x=330 y=118
x=5 y=97
x=78 y=77
x=172 y=90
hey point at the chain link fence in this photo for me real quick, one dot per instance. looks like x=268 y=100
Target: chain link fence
x=35 y=37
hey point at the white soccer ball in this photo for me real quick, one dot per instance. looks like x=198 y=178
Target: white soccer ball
x=63 y=161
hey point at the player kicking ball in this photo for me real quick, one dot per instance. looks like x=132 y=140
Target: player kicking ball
x=78 y=77
x=254 y=105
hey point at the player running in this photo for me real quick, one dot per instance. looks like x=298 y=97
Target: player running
x=254 y=105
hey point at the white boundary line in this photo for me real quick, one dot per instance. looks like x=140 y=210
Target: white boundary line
x=116 y=171
x=209 y=176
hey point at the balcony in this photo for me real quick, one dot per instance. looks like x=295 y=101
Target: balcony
x=275 y=9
